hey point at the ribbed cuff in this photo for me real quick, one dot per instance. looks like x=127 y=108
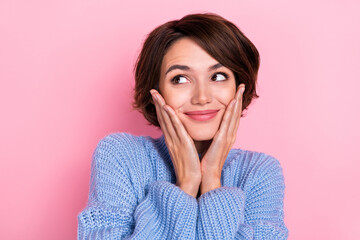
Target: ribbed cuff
x=221 y=211
x=166 y=210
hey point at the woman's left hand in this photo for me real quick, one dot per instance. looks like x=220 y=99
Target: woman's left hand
x=213 y=160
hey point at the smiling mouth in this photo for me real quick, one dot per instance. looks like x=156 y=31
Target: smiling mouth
x=202 y=115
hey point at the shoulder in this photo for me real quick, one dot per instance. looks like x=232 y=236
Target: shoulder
x=117 y=168
x=121 y=139
x=122 y=143
x=259 y=160
x=255 y=165
x=120 y=148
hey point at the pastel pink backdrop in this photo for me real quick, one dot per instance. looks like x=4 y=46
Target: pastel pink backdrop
x=66 y=82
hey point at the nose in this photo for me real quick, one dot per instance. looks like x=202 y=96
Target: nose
x=201 y=94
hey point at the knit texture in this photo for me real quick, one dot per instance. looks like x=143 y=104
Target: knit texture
x=133 y=195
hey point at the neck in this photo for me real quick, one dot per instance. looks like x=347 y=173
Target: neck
x=202 y=146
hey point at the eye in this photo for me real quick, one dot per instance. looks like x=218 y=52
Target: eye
x=179 y=79
x=222 y=76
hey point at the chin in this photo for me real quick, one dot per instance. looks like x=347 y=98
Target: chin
x=202 y=131
x=198 y=134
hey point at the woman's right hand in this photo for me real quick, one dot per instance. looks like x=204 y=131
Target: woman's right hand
x=180 y=145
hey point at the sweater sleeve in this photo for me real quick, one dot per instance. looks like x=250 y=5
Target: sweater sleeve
x=116 y=209
x=257 y=213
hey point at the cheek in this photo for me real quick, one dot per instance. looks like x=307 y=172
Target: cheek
x=225 y=96
x=175 y=99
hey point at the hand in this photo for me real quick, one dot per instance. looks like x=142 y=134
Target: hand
x=180 y=145
x=215 y=156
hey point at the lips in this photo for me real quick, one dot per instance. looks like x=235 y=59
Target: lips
x=202 y=115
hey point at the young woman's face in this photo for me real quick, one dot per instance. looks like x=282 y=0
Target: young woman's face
x=191 y=80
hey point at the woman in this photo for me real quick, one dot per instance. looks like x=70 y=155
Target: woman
x=194 y=77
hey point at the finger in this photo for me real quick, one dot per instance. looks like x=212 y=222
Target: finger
x=227 y=118
x=169 y=111
x=159 y=115
x=235 y=119
x=167 y=124
x=181 y=133
x=158 y=96
x=179 y=127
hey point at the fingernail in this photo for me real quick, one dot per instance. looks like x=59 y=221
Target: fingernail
x=153 y=94
x=242 y=89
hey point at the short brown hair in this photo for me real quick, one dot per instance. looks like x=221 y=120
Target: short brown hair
x=220 y=38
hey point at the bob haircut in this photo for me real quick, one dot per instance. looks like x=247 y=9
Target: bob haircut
x=220 y=38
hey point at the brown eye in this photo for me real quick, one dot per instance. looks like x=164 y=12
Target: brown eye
x=179 y=79
x=220 y=76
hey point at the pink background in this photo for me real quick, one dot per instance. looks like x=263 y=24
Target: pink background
x=66 y=82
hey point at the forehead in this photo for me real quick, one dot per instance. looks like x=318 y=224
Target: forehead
x=187 y=51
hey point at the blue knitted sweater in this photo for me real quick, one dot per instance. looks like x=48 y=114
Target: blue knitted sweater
x=133 y=196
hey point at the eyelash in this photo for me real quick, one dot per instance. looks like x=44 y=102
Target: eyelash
x=222 y=73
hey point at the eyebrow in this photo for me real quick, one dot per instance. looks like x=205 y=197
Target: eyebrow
x=186 y=68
